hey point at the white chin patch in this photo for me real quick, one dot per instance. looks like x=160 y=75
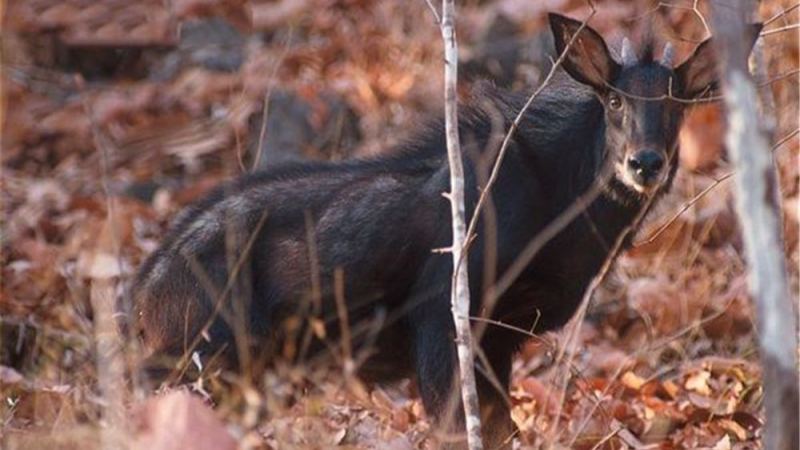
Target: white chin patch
x=624 y=176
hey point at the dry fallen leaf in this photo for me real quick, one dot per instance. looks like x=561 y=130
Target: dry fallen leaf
x=733 y=428
x=723 y=444
x=532 y=389
x=698 y=382
x=632 y=380
x=748 y=421
x=671 y=388
x=179 y=420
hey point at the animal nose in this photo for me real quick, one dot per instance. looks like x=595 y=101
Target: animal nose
x=646 y=164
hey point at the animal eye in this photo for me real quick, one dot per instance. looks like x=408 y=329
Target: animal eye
x=614 y=102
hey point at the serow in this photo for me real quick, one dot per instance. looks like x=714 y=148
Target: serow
x=272 y=264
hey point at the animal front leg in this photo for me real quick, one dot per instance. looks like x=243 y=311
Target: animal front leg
x=435 y=357
x=435 y=361
x=492 y=382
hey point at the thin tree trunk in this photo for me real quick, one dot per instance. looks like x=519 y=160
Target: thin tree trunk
x=460 y=284
x=110 y=364
x=758 y=209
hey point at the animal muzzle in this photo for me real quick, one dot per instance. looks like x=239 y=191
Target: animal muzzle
x=645 y=167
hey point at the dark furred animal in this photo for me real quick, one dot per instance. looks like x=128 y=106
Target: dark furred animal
x=267 y=247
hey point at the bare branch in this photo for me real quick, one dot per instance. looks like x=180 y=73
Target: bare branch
x=694 y=9
x=434 y=12
x=682 y=210
x=793 y=26
x=781 y=14
x=460 y=295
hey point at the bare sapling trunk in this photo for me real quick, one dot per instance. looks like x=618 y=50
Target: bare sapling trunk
x=758 y=210
x=460 y=298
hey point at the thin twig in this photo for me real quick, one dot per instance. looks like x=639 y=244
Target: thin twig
x=543 y=237
x=434 y=12
x=515 y=125
x=682 y=210
x=702 y=194
x=663 y=4
x=793 y=26
x=344 y=323
x=267 y=95
x=615 y=431
x=200 y=274
x=781 y=14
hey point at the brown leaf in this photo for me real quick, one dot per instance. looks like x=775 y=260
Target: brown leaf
x=632 y=380
x=671 y=388
x=271 y=15
x=44 y=404
x=698 y=382
x=701 y=401
x=538 y=392
x=723 y=444
x=179 y=420
x=608 y=359
x=733 y=428
x=659 y=428
x=701 y=137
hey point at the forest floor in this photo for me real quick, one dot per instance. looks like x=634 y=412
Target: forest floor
x=117 y=114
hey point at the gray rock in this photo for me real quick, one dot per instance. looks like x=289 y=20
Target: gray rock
x=212 y=43
x=322 y=128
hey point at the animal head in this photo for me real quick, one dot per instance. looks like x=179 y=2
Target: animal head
x=644 y=98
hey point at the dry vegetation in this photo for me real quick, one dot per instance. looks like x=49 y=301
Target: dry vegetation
x=112 y=123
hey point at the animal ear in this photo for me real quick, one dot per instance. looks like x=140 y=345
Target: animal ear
x=698 y=73
x=588 y=59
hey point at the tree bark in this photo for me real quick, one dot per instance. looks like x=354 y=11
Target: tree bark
x=460 y=298
x=758 y=210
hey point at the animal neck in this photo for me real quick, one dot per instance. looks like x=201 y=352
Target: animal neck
x=564 y=151
x=606 y=218
x=573 y=171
